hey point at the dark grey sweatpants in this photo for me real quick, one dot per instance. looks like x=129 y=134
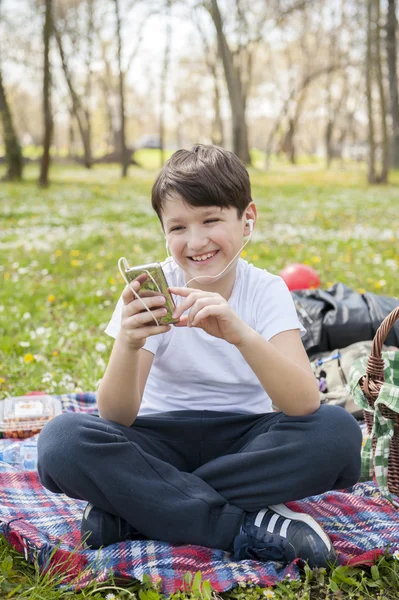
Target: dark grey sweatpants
x=188 y=476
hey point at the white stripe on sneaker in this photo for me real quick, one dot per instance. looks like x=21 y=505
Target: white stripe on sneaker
x=259 y=517
x=284 y=527
x=272 y=522
x=87 y=511
x=284 y=511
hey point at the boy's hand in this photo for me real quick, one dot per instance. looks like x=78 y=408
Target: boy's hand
x=211 y=312
x=138 y=323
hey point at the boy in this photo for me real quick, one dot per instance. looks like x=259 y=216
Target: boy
x=187 y=448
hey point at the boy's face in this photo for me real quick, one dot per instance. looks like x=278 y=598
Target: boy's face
x=204 y=239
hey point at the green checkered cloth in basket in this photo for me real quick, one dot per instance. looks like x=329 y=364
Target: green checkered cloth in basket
x=383 y=428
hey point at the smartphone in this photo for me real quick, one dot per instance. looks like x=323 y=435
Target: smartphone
x=154 y=284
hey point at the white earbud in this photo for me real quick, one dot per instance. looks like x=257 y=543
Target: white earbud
x=250 y=222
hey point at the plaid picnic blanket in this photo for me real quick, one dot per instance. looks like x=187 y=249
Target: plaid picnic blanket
x=44 y=527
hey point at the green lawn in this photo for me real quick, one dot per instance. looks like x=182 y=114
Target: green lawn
x=59 y=250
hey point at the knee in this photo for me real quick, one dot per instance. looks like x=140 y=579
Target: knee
x=59 y=441
x=340 y=432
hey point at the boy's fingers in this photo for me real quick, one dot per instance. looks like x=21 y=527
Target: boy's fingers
x=189 y=301
x=181 y=291
x=183 y=322
x=136 y=306
x=127 y=294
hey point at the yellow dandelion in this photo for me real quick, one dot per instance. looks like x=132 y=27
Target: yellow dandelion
x=55 y=353
x=380 y=284
x=255 y=257
x=58 y=253
x=316 y=259
x=89 y=256
x=99 y=266
x=75 y=252
x=361 y=291
x=75 y=263
x=28 y=358
x=244 y=253
x=2 y=380
x=111 y=281
x=51 y=298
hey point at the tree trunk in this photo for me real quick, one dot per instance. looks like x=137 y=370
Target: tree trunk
x=234 y=87
x=385 y=159
x=48 y=121
x=125 y=159
x=71 y=135
x=369 y=94
x=391 y=28
x=217 y=134
x=328 y=139
x=89 y=81
x=77 y=107
x=289 y=145
x=374 y=80
x=217 y=127
x=13 y=153
x=164 y=80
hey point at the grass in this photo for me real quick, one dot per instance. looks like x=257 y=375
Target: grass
x=59 y=249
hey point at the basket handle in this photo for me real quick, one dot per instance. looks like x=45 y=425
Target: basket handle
x=374 y=378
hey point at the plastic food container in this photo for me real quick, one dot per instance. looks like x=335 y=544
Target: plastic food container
x=24 y=416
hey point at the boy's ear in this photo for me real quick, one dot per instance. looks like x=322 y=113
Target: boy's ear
x=250 y=215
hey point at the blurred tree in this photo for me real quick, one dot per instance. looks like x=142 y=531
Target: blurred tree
x=391 y=29
x=47 y=115
x=125 y=158
x=337 y=88
x=235 y=85
x=67 y=19
x=164 y=80
x=375 y=91
x=237 y=53
x=13 y=153
x=211 y=59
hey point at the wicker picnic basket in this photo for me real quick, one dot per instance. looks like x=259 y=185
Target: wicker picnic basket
x=371 y=385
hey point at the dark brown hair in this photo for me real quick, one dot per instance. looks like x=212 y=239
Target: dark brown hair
x=203 y=176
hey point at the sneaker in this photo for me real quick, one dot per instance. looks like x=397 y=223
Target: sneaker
x=100 y=528
x=280 y=534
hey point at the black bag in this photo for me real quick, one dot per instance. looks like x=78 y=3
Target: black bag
x=338 y=317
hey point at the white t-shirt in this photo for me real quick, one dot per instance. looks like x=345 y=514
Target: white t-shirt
x=193 y=370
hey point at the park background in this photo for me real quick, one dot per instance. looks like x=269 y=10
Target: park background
x=95 y=95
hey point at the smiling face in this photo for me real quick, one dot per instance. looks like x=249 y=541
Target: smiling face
x=203 y=240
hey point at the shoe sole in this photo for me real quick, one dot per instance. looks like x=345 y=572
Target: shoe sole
x=284 y=511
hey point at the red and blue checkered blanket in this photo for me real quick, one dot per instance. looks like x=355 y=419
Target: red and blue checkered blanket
x=45 y=527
